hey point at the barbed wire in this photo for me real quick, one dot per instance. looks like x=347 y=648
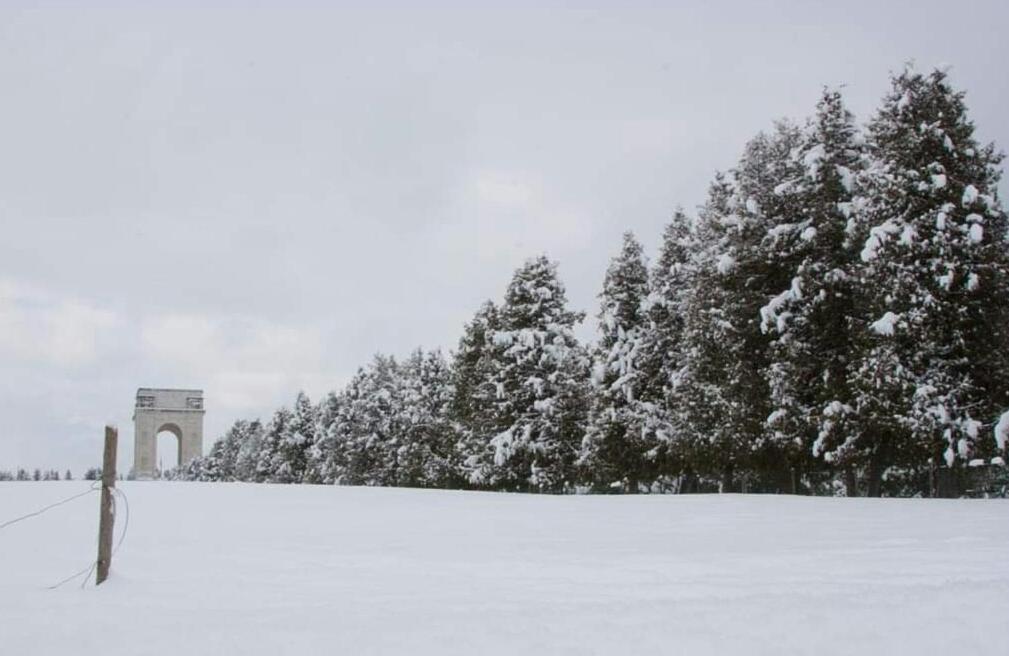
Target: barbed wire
x=49 y=507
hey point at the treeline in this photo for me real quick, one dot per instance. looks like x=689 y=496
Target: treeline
x=836 y=314
x=22 y=474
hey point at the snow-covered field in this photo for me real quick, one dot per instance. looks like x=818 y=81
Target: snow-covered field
x=264 y=569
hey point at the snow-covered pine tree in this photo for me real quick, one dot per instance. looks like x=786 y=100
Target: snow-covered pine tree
x=247 y=457
x=662 y=349
x=335 y=432
x=724 y=393
x=701 y=401
x=290 y=458
x=427 y=457
x=810 y=319
x=473 y=389
x=533 y=363
x=364 y=441
x=271 y=466
x=614 y=449
x=933 y=350
x=231 y=447
x=322 y=447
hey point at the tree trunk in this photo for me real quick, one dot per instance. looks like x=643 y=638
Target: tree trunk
x=850 y=482
x=726 y=479
x=875 y=475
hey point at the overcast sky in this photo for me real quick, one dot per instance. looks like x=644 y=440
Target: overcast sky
x=253 y=202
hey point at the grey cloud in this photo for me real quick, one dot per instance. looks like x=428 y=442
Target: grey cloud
x=286 y=191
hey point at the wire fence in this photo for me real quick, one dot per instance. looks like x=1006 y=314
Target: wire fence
x=117 y=495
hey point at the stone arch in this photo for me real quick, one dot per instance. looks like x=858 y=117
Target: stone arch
x=175 y=411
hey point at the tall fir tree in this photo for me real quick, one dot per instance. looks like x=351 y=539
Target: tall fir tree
x=614 y=449
x=662 y=356
x=271 y=465
x=724 y=396
x=533 y=361
x=323 y=443
x=934 y=302
x=473 y=390
x=291 y=457
x=810 y=320
x=428 y=456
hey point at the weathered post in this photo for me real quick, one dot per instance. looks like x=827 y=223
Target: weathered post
x=107 y=517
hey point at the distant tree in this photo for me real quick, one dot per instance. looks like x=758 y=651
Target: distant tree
x=68 y=476
x=473 y=389
x=428 y=456
x=289 y=456
x=323 y=446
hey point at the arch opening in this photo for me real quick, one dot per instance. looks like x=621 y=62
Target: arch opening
x=167 y=449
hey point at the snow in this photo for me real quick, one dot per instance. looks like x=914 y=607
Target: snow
x=904 y=101
x=812 y=159
x=878 y=236
x=970 y=194
x=976 y=233
x=847 y=178
x=884 y=326
x=725 y=264
x=261 y=569
x=1002 y=431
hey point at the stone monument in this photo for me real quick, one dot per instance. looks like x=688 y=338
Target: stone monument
x=176 y=411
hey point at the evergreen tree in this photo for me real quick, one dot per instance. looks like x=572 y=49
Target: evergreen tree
x=290 y=458
x=662 y=349
x=323 y=446
x=473 y=390
x=811 y=319
x=364 y=445
x=724 y=398
x=247 y=452
x=702 y=400
x=427 y=457
x=614 y=448
x=530 y=443
x=270 y=464
x=932 y=349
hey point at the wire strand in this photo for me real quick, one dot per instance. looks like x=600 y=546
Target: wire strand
x=126 y=519
x=49 y=507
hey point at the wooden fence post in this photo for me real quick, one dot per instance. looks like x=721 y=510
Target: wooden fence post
x=107 y=517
